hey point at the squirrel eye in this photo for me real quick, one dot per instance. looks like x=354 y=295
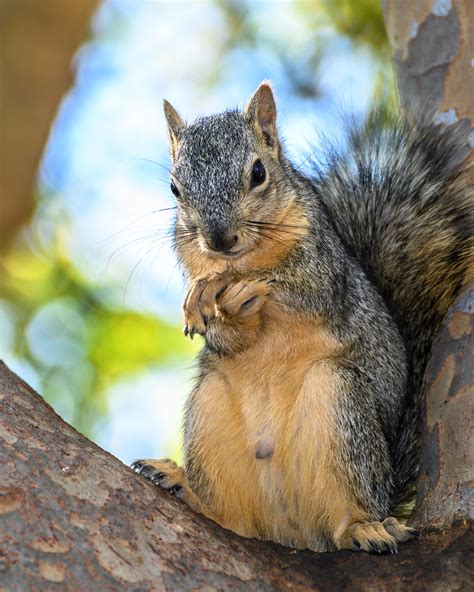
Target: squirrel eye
x=259 y=174
x=174 y=189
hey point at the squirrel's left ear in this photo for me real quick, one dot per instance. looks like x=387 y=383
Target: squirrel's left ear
x=261 y=110
x=175 y=126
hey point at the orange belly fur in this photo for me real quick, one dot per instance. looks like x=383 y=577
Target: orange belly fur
x=276 y=400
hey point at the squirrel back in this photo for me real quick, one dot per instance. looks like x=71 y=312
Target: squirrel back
x=404 y=208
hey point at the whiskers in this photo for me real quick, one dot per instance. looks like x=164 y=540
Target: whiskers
x=275 y=232
x=165 y=168
x=182 y=236
x=148 y=246
x=172 y=238
x=142 y=243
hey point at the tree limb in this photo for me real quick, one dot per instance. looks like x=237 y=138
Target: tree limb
x=73 y=517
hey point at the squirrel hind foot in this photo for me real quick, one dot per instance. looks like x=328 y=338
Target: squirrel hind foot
x=169 y=476
x=376 y=537
x=164 y=473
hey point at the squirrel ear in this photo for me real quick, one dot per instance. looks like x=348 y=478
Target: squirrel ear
x=261 y=109
x=175 y=126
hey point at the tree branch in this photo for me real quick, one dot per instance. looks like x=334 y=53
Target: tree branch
x=74 y=517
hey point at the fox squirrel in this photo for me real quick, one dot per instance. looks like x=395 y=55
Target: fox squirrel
x=318 y=299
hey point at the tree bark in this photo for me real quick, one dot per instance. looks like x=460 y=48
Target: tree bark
x=446 y=478
x=37 y=43
x=432 y=44
x=73 y=517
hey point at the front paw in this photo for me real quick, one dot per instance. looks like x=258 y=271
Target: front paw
x=226 y=297
x=200 y=305
x=242 y=299
x=194 y=321
x=164 y=473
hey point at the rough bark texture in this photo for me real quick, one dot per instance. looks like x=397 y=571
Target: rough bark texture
x=72 y=517
x=445 y=492
x=37 y=41
x=433 y=47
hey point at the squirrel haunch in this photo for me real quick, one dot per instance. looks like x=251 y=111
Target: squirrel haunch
x=318 y=297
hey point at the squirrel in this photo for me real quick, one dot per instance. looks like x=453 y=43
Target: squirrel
x=318 y=297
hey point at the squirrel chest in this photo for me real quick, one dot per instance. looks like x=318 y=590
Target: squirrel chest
x=265 y=422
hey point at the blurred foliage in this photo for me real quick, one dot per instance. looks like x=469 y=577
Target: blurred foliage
x=63 y=326
x=243 y=28
x=363 y=23
x=359 y=20
x=64 y=329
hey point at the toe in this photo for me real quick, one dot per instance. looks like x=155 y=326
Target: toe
x=243 y=298
x=164 y=473
x=369 y=536
x=398 y=530
x=210 y=296
x=193 y=319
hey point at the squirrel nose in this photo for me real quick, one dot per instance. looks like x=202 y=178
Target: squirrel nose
x=221 y=241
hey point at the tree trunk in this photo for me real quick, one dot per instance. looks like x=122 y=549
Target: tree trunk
x=73 y=517
x=37 y=41
x=445 y=483
x=432 y=45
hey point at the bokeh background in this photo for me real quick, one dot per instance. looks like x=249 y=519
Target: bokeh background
x=90 y=293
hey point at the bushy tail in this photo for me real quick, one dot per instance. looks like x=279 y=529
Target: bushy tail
x=404 y=207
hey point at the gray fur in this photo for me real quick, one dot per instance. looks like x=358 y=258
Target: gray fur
x=403 y=208
x=212 y=156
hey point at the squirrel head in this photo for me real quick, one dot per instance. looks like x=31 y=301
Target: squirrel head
x=231 y=185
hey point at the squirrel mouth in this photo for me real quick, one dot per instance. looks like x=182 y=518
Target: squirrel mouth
x=229 y=254
x=232 y=253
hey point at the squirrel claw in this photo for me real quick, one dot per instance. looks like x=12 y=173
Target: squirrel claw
x=413 y=531
x=376 y=537
x=191 y=332
x=164 y=473
x=225 y=297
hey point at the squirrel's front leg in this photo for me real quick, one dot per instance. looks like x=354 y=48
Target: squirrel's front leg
x=227 y=310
